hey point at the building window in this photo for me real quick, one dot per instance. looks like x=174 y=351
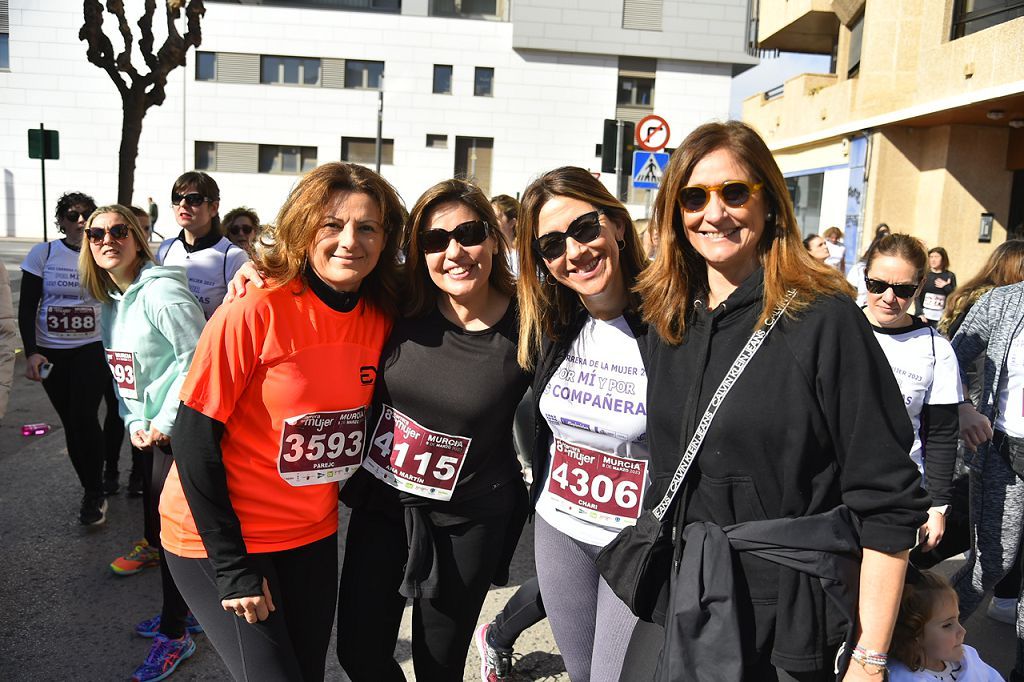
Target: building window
x=856 y=40
x=473 y=160
x=206 y=66
x=442 y=79
x=364 y=150
x=275 y=158
x=971 y=16
x=206 y=156
x=363 y=75
x=437 y=141
x=464 y=8
x=289 y=70
x=636 y=92
x=483 y=82
x=805 y=191
x=5 y=51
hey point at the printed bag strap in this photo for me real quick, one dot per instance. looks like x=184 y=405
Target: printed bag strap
x=738 y=365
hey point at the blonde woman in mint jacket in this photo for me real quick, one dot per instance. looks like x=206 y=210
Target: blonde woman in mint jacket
x=150 y=325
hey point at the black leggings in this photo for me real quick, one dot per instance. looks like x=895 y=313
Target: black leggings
x=75 y=387
x=113 y=428
x=155 y=467
x=370 y=606
x=523 y=610
x=292 y=643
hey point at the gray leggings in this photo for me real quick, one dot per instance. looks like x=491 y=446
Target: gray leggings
x=997 y=519
x=591 y=625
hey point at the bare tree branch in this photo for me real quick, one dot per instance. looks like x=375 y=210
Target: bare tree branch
x=124 y=59
x=146 y=41
x=99 y=51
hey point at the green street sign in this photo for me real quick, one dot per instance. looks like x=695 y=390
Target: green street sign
x=43 y=144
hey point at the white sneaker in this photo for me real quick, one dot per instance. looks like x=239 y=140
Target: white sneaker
x=1003 y=609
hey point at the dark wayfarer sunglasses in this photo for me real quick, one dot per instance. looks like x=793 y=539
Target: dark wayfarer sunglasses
x=117 y=232
x=877 y=286
x=192 y=199
x=467 y=234
x=584 y=229
x=74 y=216
x=235 y=229
x=734 y=193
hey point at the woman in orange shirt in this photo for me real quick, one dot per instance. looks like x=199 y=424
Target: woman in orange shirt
x=273 y=416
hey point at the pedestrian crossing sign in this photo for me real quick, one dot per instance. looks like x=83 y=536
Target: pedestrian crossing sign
x=648 y=167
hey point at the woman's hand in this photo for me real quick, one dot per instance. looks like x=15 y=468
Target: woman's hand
x=932 y=531
x=157 y=438
x=975 y=428
x=32 y=366
x=140 y=439
x=252 y=608
x=246 y=275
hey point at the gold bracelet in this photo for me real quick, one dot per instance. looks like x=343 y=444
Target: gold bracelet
x=879 y=669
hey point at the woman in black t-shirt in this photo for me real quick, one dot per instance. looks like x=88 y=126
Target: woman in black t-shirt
x=439 y=504
x=938 y=285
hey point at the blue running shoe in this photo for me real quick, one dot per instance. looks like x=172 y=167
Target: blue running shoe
x=164 y=657
x=151 y=626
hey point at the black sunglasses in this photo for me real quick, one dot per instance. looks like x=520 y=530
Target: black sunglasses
x=235 y=229
x=877 y=286
x=584 y=229
x=467 y=234
x=192 y=199
x=735 y=193
x=117 y=232
x=73 y=215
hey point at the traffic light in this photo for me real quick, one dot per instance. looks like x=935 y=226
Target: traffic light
x=610 y=142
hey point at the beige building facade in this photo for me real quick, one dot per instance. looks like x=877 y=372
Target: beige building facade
x=922 y=118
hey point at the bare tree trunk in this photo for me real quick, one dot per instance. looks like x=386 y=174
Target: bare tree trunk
x=134 y=110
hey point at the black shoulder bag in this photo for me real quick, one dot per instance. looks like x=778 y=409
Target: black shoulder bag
x=637 y=563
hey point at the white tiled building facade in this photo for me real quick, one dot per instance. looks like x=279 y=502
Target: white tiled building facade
x=531 y=82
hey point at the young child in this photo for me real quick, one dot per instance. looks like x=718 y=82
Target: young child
x=928 y=642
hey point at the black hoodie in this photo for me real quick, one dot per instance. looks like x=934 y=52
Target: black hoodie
x=816 y=420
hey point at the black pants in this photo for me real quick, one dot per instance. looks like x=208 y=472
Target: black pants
x=75 y=388
x=292 y=643
x=156 y=465
x=370 y=606
x=523 y=610
x=113 y=428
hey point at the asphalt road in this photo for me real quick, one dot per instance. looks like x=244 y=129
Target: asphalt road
x=65 y=616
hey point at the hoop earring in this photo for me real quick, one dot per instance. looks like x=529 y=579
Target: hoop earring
x=621 y=243
x=548 y=280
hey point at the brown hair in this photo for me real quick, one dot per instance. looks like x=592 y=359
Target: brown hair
x=678 y=274
x=95 y=279
x=507 y=205
x=239 y=212
x=942 y=252
x=832 y=233
x=421 y=292
x=917 y=606
x=1005 y=265
x=284 y=259
x=899 y=245
x=547 y=309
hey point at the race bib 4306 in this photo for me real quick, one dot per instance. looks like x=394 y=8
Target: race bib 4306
x=321 y=447
x=410 y=457
x=595 y=485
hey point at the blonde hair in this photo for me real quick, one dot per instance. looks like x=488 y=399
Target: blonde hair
x=95 y=279
x=283 y=257
x=917 y=606
x=547 y=309
x=678 y=274
x=421 y=292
